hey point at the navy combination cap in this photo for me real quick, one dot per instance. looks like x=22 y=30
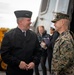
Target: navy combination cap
x=59 y=16
x=23 y=13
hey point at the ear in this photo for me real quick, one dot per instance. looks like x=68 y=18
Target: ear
x=62 y=21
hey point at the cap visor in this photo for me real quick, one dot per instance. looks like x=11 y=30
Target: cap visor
x=53 y=21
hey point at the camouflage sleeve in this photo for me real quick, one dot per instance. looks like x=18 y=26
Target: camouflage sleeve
x=63 y=56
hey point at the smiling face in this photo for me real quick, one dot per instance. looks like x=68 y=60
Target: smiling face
x=62 y=25
x=58 y=25
x=24 y=23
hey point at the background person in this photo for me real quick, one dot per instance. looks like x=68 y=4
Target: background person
x=54 y=35
x=52 y=30
x=44 y=40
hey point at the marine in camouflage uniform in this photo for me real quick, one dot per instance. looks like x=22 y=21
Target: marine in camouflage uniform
x=63 y=53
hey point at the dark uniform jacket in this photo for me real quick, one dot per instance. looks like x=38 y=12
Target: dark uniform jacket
x=16 y=47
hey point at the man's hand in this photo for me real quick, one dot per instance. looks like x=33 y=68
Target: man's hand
x=31 y=65
x=23 y=65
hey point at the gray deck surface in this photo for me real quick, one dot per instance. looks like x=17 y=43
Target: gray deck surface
x=3 y=73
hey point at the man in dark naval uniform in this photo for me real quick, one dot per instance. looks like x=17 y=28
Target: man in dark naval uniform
x=20 y=46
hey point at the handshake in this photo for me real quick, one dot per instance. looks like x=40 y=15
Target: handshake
x=25 y=66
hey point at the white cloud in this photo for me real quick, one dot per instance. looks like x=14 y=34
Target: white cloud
x=7 y=8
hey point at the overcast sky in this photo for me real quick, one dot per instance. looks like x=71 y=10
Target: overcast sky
x=7 y=8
